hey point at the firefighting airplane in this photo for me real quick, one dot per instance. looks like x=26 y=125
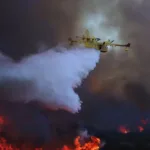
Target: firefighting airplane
x=91 y=42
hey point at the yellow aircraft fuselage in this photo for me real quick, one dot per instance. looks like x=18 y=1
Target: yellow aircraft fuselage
x=92 y=42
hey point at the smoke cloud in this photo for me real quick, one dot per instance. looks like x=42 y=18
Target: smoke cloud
x=49 y=77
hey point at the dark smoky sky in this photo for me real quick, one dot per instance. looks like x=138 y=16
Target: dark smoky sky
x=26 y=25
x=120 y=83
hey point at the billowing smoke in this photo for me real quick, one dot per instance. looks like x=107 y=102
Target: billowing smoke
x=49 y=77
x=123 y=21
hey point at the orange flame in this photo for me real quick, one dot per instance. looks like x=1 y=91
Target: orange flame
x=94 y=144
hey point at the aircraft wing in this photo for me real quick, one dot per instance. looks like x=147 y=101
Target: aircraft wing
x=121 y=45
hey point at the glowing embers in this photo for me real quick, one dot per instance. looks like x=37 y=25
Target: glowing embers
x=124 y=129
x=140 y=128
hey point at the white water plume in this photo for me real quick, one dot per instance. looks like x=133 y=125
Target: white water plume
x=48 y=77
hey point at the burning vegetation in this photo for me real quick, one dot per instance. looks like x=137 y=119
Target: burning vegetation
x=81 y=142
x=92 y=144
